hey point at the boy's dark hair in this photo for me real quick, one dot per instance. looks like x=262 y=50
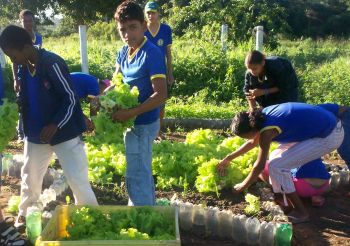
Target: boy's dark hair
x=129 y=10
x=254 y=57
x=25 y=12
x=245 y=122
x=14 y=37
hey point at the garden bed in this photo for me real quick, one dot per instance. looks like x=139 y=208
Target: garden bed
x=328 y=225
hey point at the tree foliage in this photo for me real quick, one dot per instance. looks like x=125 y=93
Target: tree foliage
x=241 y=17
x=9 y=9
x=294 y=18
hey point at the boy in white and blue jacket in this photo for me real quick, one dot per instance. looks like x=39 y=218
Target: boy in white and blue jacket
x=52 y=118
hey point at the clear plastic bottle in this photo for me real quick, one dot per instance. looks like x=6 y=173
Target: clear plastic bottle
x=33 y=222
x=268 y=205
x=47 y=196
x=186 y=210
x=211 y=221
x=348 y=175
x=283 y=235
x=51 y=194
x=252 y=227
x=239 y=234
x=335 y=179
x=46 y=216
x=225 y=219
x=163 y=202
x=55 y=187
x=198 y=220
x=6 y=163
x=343 y=177
x=267 y=233
x=10 y=165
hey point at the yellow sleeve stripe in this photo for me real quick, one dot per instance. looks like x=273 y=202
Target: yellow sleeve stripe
x=162 y=76
x=271 y=127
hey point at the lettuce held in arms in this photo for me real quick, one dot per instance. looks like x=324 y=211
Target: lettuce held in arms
x=105 y=149
x=120 y=97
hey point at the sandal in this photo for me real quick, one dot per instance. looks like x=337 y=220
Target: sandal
x=9 y=235
x=295 y=220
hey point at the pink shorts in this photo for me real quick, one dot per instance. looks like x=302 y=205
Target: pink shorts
x=302 y=187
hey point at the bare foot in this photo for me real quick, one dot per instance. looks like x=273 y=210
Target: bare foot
x=317 y=201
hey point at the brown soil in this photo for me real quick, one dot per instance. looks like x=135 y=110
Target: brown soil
x=329 y=225
x=226 y=200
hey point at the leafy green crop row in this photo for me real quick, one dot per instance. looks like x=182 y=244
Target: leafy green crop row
x=177 y=164
x=8 y=123
x=195 y=107
x=140 y=223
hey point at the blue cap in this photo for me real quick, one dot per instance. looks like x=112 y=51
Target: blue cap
x=151 y=6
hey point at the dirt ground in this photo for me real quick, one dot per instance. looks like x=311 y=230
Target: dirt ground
x=329 y=225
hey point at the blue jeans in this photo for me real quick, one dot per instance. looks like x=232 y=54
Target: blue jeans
x=344 y=149
x=138 y=148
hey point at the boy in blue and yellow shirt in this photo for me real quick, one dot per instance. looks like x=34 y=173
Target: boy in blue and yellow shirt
x=160 y=34
x=27 y=19
x=142 y=65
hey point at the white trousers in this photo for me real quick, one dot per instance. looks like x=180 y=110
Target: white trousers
x=292 y=155
x=72 y=157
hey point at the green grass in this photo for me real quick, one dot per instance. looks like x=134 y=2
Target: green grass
x=201 y=68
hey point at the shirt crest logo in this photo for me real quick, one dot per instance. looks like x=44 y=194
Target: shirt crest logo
x=160 y=42
x=47 y=84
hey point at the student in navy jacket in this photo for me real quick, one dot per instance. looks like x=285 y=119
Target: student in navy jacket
x=52 y=118
x=269 y=80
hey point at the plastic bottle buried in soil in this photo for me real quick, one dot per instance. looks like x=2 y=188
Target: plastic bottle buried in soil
x=198 y=220
x=46 y=216
x=267 y=233
x=334 y=167
x=252 y=227
x=283 y=235
x=225 y=219
x=211 y=221
x=348 y=175
x=7 y=162
x=186 y=210
x=268 y=205
x=239 y=233
x=33 y=223
x=335 y=180
x=11 y=168
x=47 y=196
x=162 y=202
x=344 y=177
